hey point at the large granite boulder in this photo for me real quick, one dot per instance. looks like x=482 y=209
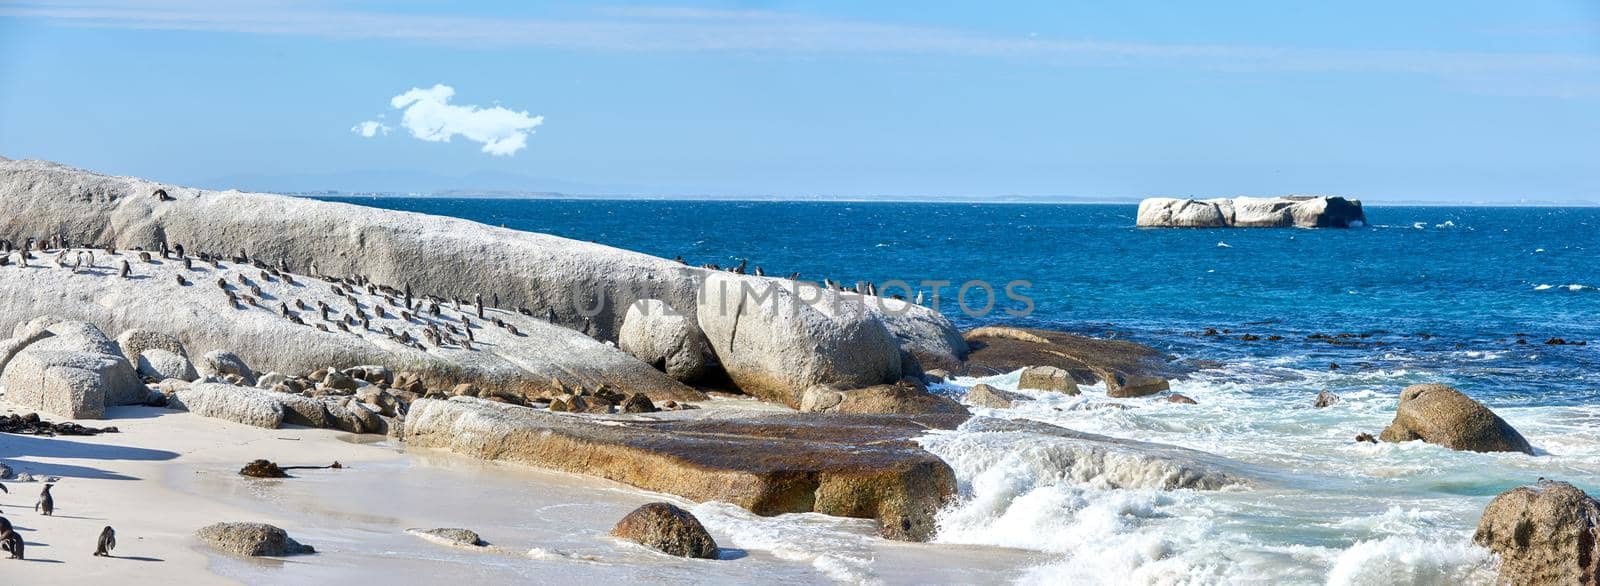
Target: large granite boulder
x=69 y=384
x=158 y=364
x=251 y=540
x=586 y=286
x=247 y=405
x=864 y=466
x=1544 y=533
x=925 y=334
x=169 y=359
x=68 y=368
x=1126 y=368
x=1048 y=378
x=1251 y=212
x=656 y=333
x=669 y=529
x=1441 y=415
x=775 y=339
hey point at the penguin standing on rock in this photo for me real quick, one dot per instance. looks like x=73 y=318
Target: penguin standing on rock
x=479 y=300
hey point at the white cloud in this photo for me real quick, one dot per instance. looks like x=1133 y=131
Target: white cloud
x=429 y=115
x=371 y=128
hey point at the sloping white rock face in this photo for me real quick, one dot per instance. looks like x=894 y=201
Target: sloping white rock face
x=68 y=368
x=776 y=342
x=200 y=314
x=1251 y=212
x=442 y=256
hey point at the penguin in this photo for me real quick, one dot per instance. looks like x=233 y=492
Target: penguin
x=300 y=305
x=759 y=272
x=126 y=271
x=495 y=302
x=144 y=257
x=283 y=308
x=919 y=298
x=739 y=270
x=178 y=248
x=181 y=281
x=46 y=504
x=288 y=279
x=550 y=314
x=165 y=251
x=188 y=265
x=108 y=542
x=366 y=324
x=11 y=542
x=478 y=298
x=160 y=195
x=221 y=282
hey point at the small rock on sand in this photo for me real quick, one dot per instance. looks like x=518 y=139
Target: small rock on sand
x=450 y=536
x=251 y=539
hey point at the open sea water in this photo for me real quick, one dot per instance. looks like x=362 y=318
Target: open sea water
x=1466 y=296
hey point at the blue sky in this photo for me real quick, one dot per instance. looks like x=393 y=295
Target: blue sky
x=1447 y=100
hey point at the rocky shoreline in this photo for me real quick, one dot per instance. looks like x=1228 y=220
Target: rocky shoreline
x=269 y=311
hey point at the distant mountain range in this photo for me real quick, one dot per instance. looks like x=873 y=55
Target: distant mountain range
x=416 y=183
x=499 y=184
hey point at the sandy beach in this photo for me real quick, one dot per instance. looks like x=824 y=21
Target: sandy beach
x=169 y=473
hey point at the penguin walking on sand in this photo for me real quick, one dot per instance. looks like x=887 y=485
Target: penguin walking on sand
x=11 y=542
x=47 y=503
x=126 y=270
x=108 y=542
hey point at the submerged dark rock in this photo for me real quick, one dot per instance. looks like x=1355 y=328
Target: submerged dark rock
x=1128 y=369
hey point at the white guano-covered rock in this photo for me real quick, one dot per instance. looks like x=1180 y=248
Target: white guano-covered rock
x=247 y=405
x=525 y=362
x=776 y=339
x=448 y=257
x=1251 y=212
x=664 y=338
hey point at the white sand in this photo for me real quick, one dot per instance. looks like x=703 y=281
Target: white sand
x=168 y=474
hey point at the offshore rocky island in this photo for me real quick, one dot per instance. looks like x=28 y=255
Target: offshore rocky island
x=773 y=394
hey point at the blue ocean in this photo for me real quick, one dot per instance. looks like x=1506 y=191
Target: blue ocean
x=1503 y=303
